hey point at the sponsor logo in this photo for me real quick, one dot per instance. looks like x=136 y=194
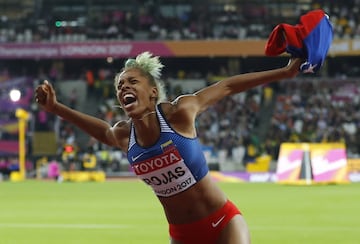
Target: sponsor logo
x=169 y=158
x=215 y=224
x=137 y=156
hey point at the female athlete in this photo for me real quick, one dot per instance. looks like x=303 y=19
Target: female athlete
x=163 y=149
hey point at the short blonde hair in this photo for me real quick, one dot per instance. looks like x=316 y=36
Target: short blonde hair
x=151 y=67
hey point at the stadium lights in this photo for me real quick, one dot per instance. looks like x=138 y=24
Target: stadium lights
x=15 y=95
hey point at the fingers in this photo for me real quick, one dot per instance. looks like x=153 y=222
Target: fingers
x=49 y=87
x=41 y=95
x=42 y=92
x=294 y=67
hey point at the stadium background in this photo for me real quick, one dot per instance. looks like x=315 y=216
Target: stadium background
x=68 y=42
x=80 y=45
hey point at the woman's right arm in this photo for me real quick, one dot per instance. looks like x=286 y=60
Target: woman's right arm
x=101 y=130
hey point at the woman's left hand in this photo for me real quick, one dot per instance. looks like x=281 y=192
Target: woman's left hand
x=293 y=66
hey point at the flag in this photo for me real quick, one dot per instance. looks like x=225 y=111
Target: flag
x=310 y=39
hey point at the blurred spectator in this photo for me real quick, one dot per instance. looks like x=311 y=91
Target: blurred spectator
x=89 y=160
x=73 y=99
x=4 y=168
x=54 y=170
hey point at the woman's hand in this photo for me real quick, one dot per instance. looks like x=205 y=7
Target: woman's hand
x=45 y=96
x=293 y=67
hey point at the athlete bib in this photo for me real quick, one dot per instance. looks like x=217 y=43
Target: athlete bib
x=170 y=166
x=166 y=173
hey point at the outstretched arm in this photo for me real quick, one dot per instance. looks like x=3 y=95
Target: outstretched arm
x=183 y=111
x=45 y=96
x=238 y=83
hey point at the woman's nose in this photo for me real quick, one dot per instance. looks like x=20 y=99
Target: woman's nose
x=125 y=85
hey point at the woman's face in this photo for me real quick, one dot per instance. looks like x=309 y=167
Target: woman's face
x=135 y=93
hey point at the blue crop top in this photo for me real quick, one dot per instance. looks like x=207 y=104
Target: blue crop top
x=172 y=165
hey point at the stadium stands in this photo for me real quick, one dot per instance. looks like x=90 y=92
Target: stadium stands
x=317 y=108
x=78 y=21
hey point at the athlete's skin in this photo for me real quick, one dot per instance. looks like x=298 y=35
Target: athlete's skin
x=205 y=196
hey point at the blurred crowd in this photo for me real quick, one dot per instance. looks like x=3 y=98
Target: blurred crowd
x=167 y=20
x=240 y=128
x=317 y=111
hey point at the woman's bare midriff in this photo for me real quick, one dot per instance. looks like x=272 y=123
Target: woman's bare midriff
x=195 y=203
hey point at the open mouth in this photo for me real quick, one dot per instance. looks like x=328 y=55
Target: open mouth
x=129 y=99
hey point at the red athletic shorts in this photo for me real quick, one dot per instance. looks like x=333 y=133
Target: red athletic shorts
x=206 y=230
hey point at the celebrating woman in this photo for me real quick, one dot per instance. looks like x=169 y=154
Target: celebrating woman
x=162 y=147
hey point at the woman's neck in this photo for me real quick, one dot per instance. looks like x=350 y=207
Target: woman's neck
x=146 y=129
x=146 y=115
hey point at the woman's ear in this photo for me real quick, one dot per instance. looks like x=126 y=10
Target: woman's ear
x=154 y=93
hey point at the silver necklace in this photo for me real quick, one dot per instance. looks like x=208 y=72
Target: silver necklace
x=147 y=114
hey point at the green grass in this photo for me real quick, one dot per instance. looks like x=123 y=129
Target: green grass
x=128 y=212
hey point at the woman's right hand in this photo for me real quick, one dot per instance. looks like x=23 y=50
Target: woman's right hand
x=45 y=96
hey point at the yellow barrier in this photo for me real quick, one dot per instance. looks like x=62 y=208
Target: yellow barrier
x=261 y=164
x=16 y=176
x=353 y=164
x=83 y=176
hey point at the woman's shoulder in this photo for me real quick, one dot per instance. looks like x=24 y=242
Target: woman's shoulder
x=168 y=109
x=121 y=132
x=178 y=104
x=183 y=105
x=180 y=115
x=122 y=124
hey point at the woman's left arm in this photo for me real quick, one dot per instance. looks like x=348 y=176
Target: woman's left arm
x=238 y=83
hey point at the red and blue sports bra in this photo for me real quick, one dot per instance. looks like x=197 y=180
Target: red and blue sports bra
x=170 y=166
